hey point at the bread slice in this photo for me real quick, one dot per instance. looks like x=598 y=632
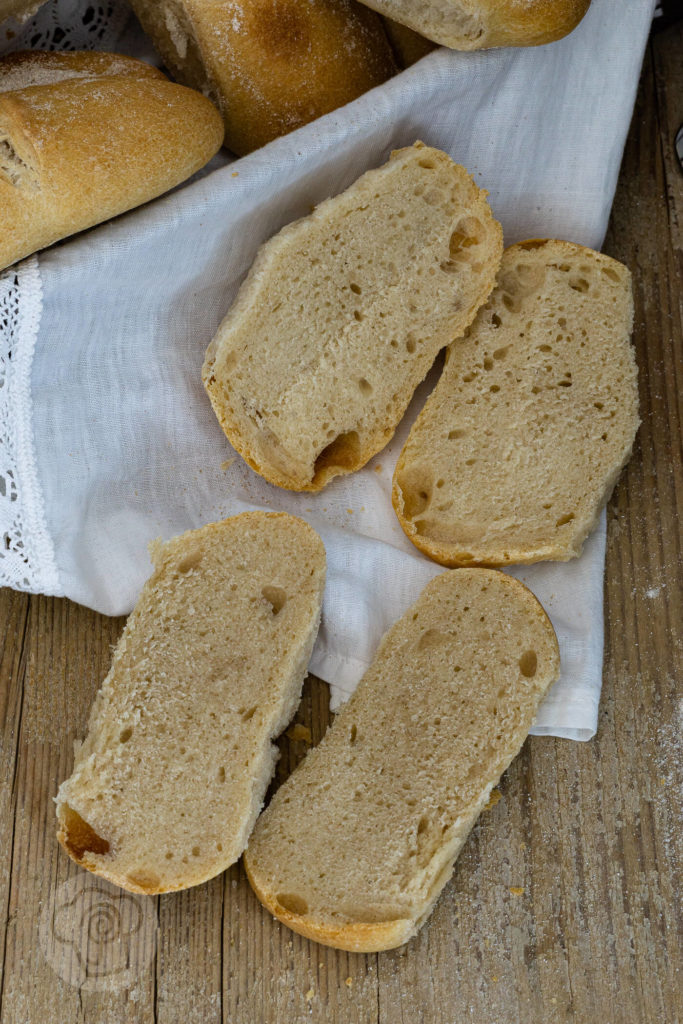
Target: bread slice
x=356 y=846
x=343 y=313
x=86 y=136
x=520 y=444
x=171 y=776
x=479 y=24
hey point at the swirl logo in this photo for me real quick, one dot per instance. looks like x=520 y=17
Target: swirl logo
x=97 y=937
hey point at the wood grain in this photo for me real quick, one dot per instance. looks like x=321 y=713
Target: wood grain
x=565 y=905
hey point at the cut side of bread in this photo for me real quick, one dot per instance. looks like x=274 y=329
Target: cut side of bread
x=521 y=443
x=170 y=779
x=87 y=136
x=356 y=846
x=343 y=314
x=480 y=24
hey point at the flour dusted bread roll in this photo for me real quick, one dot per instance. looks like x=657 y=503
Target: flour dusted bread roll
x=521 y=442
x=270 y=65
x=172 y=774
x=478 y=24
x=85 y=136
x=356 y=846
x=344 y=312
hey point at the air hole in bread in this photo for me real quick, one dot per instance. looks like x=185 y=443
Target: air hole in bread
x=221 y=774
x=364 y=386
x=190 y=561
x=342 y=453
x=248 y=714
x=510 y=303
x=528 y=664
x=80 y=837
x=563 y=520
x=410 y=344
x=144 y=880
x=353 y=734
x=431 y=639
x=500 y=353
x=355 y=289
x=579 y=284
x=428 y=164
x=292 y=904
x=544 y=348
x=196 y=851
x=125 y=735
x=496 y=321
x=488 y=363
x=533 y=243
x=357 y=315
x=454 y=435
x=611 y=274
x=276 y=598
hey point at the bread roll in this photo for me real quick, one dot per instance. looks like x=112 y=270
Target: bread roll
x=171 y=776
x=343 y=314
x=270 y=65
x=85 y=136
x=356 y=846
x=521 y=442
x=479 y=24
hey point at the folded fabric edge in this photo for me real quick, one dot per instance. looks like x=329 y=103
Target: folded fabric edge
x=27 y=559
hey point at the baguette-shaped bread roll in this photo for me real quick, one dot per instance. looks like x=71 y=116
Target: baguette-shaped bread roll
x=171 y=776
x=520 y=444
x=270 y=65
x=479 y=24
x=86 y=136
x=343 y=314
x=356 y=846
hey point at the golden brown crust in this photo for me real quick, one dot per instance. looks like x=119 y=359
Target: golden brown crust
x=356 y=937
x=74 y=155
x=271 y=65
x=487 y=23
x=561 y=549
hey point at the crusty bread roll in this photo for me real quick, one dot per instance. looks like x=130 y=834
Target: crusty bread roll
x=478 y=24
x=85 y=136
x=270 y=65
x=19 y=9
x=343 y=314
x=171 y=776
x=521 y=442
x=356 y=846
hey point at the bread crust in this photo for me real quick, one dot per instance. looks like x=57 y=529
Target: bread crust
x=270 y=65
x=72 y=155
x=557 y=548
x=22 y=10
x=264 y=865
x=484 y=24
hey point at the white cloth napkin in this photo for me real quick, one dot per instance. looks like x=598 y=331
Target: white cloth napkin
x=108 y=439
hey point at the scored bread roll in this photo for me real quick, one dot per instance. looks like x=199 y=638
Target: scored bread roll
x=343 y=313
x=86 y=136
x=270 y=65
x=479 y=24
x=357 y=844
x=167 y=785
x=521 y=442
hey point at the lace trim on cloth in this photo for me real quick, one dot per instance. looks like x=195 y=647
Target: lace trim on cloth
x=67 y=25
x=27 y=560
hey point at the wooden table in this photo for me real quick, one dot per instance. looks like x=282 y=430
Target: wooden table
x=565 y=905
